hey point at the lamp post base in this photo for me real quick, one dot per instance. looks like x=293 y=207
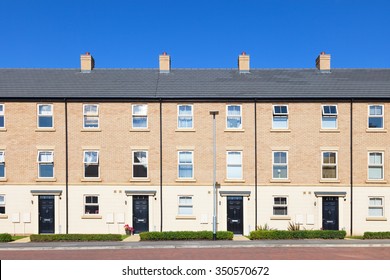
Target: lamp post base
x=214 y=236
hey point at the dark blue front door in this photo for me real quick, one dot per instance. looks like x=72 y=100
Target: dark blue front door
x=330 y=213
x=140 y=213
x=46 y=214
x=235 y=214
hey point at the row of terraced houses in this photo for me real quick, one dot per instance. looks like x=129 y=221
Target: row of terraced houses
x=89 y=150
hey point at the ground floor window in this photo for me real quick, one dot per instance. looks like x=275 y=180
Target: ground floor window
x=375 y=207
x=280 y=206
x=91 y=204
x=2 y=204
x=185 y=205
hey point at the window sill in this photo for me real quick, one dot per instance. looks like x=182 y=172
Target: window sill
x=234 y=130
x=3 y=216
x=376 y=219
x=185 y=130
x=281 y=218
x=3 y=129
x=91 y=130
x=376 y=182
x=45 y=129
x=139 y=130
x=234 y=181
x=280 y=181
x=91 y=180
x=185 y=180
x=329 y=130
x=286 y=130
x=91 y=216
x=185 y=218
x=45 y=179
x=330 y=181
x=135 y=180
x=376 y=130
x=3 y=179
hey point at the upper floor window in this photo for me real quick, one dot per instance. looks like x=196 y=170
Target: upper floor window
x=234 y=165
x=375 y=166
x=280 y=206
x=45 y=164
x=2 y=120
x=185 y=205
x=2 y=164
x=91 y=164
x=91 y=116
x=279 y=166
x=45 y=116
x=375 y=207
x=140 y=164
x=375 y=116
x=280 y=117
x=91 y=204
x=329 y=117
x=329 y=165
x=184 y=116
x=2 y=204
x=186 y=164
x=140 y=116
x=233 y=116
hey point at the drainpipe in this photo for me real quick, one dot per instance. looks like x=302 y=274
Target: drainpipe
x=161 y=170
x=66 y=168
x=255 y=104
x=351 y=162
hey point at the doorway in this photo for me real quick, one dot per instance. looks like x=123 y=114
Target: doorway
x=46 y=214
x=235 y=214
x=140 y=213
x=330 y=213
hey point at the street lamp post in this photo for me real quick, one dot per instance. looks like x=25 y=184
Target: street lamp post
x=214 y=113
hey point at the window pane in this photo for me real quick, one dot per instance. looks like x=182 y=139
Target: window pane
x=45 y=121
x=140 y=122
x=329 y=172
x=1 y=121
x=45 y=157
x=1 y=157
x=375 y=201
x=375 y=110
x=279 y=171
x=234 y=122
x=279 y=122
x=91 y=157
x=375 y=172
x=375 y=211
x=185 y=200
x=2 y=170
x=234 y=158
x=91 y=209
x=91 y=121
x=1 y=109
x=280 y=200
x=329 y=122
x=140 y=110
x=140 y=157
x=44 y=109
x=375 y=158
x=91 y=171
x=280 y=210
x=90 y=109
x=234 y=110
x=280 y=109
x=280 y=157
x=140 y=171
x=185 y=157
x=234 y=172
x=329 y=158
x=185 y=210
x=185 y=110
x=46 y=170
x=185 y=122
x=185 y=171
x=2 y=210
x=375 y=122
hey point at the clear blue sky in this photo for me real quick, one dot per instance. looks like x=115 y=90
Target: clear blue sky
x=197 y=34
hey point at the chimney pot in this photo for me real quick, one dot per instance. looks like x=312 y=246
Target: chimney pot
x=323 y=62
x=87 y=62
x=243 y=63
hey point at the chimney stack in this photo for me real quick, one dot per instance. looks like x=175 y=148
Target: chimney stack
x=87 y=62
x=165 y=63
x=243 y=63
x=323 y=62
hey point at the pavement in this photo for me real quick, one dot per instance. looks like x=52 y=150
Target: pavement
x=238 y=241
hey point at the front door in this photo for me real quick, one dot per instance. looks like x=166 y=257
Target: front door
x=46 y=214
x=330 y=213
x=235 y=214
x=140 y=213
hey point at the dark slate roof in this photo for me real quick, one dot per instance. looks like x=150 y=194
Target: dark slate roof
x=195 y=83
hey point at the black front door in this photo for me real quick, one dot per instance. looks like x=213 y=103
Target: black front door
x=330 y=213
x=46 y=214
x=140 y=213
x=235 y=214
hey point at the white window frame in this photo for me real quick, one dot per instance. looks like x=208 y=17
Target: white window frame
x=2 y=204
x=181 y=205
x=376 y=165
x=233 y=116
x=189 y=164
x=329 y=115
x=279 y=115
x=91 y=114
x=2 y=161
x=97 y=162
x=382 y=116
x=323 y=164
x=381 y=206
x=91 y=204
x=185 y=116
x=51 y=115
x=45 y=162
x=279 y=164
x=2 y=114
x=137 y=115
x=279 y=205
x=229 y=164
x=140 y=163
